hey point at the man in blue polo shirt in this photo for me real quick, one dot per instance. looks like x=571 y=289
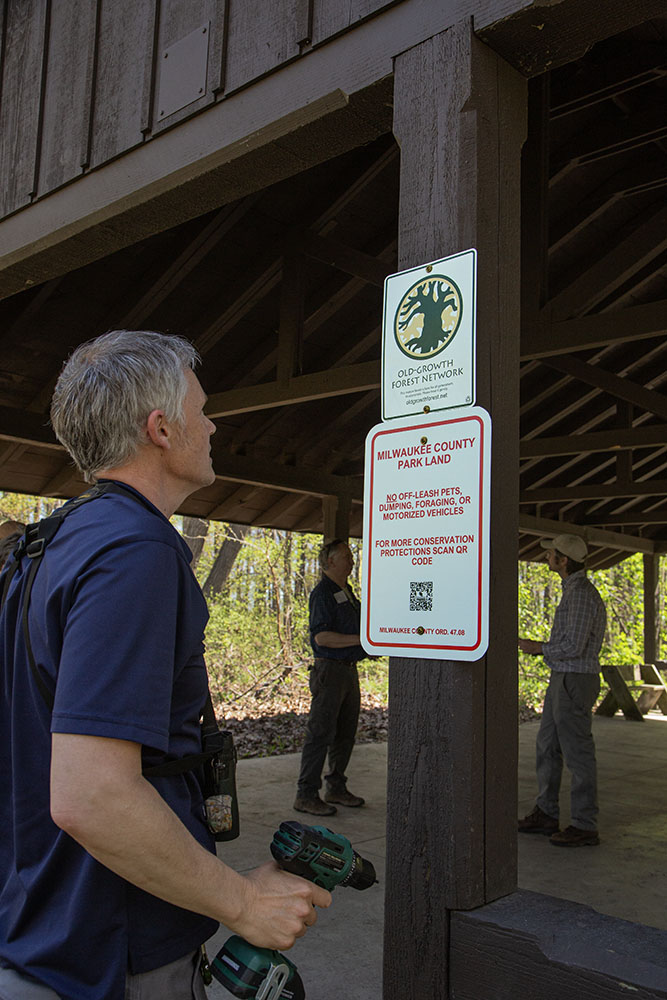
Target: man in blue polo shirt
x=334 y=685
x=109 y=882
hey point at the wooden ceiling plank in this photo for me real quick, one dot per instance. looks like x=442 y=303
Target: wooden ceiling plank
x=607 y=273
x=194 y=253
x=286 y=505
x=26 y=427
x=621 y=388
x=56 y=486
x=303 y=388
x=565 y=336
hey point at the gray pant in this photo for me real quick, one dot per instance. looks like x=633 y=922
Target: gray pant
x=566 y=732
x=332 y=725
x=180 y=980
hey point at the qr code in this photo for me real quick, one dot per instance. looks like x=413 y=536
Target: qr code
x=421 y=596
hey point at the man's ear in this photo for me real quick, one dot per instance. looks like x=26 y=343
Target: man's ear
x=158 y=429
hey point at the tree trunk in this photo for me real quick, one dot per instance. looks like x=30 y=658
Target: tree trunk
x=224 y=560
x=194 y=533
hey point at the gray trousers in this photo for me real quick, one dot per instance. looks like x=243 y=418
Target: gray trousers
x=180 y=980
x=565 y=732
x=332 y=725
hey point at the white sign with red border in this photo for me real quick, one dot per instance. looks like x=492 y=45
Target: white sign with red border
x=428 y=337
x=426 y=537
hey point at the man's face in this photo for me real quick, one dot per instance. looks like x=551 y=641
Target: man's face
x=190 y=454
x=341 y=560
x=555 y=562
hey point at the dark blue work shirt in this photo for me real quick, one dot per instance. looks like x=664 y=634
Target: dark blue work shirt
x=331 y=610
x=116 y=623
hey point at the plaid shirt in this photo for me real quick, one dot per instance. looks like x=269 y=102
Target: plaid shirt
x=578 y=628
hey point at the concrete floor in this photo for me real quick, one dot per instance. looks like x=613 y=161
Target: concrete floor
x=626 y=876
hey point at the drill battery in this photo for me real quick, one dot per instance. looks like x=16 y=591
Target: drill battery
x=256 y=973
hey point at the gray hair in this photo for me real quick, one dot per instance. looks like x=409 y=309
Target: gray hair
x=107 y=389
x=327 y=551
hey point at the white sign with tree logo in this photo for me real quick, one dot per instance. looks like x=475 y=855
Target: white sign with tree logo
x=428 y=343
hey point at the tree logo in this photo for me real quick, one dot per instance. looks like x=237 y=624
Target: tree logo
x=428 y=316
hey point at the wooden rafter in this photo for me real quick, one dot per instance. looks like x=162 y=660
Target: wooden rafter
x=576 y=444
x=621 y=388
x=301 y=389
x=607 y=273
x=549 y=339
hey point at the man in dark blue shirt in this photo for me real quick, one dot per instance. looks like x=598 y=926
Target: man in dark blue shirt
x=334 y=685
x=109 y=882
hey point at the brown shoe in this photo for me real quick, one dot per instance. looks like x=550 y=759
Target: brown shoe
x=314 y=806
x=572 y=836
x=344 y=798
x=538 y=822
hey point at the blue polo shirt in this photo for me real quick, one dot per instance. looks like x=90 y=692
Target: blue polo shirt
x=334 y=609
x=116 y=623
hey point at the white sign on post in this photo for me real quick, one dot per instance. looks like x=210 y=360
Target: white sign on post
x=426 y=532
x=428 y=343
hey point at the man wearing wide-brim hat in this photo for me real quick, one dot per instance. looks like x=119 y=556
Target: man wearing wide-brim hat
x=572 y=652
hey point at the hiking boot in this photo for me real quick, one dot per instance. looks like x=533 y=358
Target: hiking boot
x=572 y=836
x=343 y=798
x=538 y=822
x=313 y=805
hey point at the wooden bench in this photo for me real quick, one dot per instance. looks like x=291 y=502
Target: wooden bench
x=641 y=681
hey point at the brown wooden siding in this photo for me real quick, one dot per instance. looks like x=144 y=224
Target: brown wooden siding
x=81 y=81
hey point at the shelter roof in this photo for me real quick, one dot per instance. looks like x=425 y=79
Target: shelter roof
x=281 y=291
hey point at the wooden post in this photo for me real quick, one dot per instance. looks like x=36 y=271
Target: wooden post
x=650 y=591
x=451 y=830
x=336 y=515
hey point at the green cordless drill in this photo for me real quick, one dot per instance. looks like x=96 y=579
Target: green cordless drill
x=316 y=854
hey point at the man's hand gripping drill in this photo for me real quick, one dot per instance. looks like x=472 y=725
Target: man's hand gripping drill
x=325 y=860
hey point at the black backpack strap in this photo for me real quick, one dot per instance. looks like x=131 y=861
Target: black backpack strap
x=33 y=544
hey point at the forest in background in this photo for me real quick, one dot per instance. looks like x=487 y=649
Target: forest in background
x=256 y=582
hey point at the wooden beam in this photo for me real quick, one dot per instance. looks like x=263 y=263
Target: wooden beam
x=616 y=386
x=594 y=491
x=537 y=947
x=612 y=269
x=647 y=175
x=580 y=444
x=542 y=526
x=599 y=142
x=355 y=262
x=549 y=339
x=273 y=475
x=290 y=331
x=209 y=236
x=302 y=389
x=650 y=588
x=641 y=64
x=451 y=817
x=630 y=517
